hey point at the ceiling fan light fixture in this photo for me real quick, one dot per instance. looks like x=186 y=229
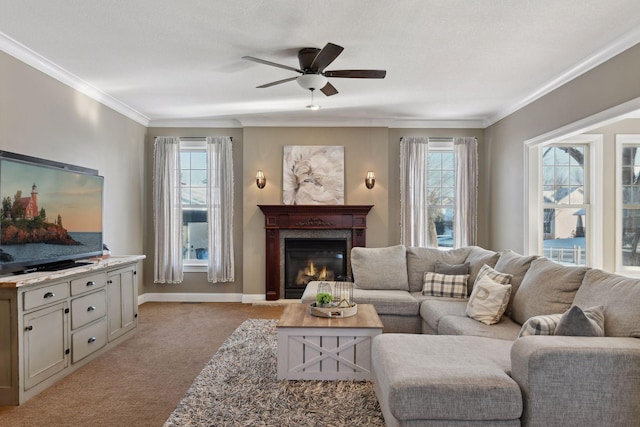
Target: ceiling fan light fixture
x=312 y=106
x=312 y=81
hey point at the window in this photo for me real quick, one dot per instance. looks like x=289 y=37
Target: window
x=564 y=186
x=441 y=194
x=193 y=182
x=565 y=203
x=628 y=203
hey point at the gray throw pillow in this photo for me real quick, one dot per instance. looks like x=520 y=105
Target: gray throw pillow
x=452 y=269
x=547 y=288
x=380 y=268
x=582 y=323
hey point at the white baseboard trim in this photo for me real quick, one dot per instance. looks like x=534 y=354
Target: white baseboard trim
x=190 y=297
x=250 y=298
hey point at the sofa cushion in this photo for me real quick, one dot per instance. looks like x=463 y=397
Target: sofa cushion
x=517 y=265
x=380 y=268
x=445 y=285
x=581 y=323
x=618 y=295
x=440 y=378
x=421 y=260
x=453 y=269
x=488 y=300
x=399 y=303
x=540 y=325
x=547 y=288
x=505 y=329
x=478 y=257
x=432 y=310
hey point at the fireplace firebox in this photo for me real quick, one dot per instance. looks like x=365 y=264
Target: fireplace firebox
x=312 y=259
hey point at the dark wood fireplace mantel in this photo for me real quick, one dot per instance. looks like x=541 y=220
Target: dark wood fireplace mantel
x=307 y=217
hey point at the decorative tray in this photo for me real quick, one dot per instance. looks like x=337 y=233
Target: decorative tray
x=333 y=311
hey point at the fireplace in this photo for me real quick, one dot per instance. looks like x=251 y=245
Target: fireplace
x=312 y=259
x=346 y=223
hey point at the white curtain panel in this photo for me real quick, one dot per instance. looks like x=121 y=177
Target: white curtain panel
x=167 y=211
x=220 y=209
x=414 y=225
x=466 y=212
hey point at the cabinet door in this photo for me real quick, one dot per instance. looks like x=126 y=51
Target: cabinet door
x=122 y=301
x=46 y=344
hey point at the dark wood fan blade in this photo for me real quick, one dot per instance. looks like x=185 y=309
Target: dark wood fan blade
x=273 y=64
x=329 y=90
x=357 y=74
x=326 y=56
x=276 y=83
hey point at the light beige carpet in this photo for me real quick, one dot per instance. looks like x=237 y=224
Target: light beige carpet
x=140 y=382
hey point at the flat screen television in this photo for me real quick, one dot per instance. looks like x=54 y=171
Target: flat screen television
x=51 y=214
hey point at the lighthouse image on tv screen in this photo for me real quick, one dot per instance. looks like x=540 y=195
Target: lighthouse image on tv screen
x=49 y=214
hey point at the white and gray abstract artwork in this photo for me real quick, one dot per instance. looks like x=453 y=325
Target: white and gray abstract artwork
x=313 y=175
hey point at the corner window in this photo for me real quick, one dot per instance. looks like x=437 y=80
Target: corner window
x=564 y=213
x=193 y=182
x=628 y=204
x=565 y=203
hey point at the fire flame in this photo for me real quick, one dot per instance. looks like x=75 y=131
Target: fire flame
x=313 y=272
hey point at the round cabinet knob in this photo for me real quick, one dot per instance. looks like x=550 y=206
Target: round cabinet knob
x=90 y=340
x=91 y=308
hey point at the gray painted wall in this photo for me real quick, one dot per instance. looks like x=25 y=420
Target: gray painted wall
x=42 y=117
x=610 y=84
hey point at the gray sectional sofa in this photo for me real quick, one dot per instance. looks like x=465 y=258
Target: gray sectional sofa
x=436 y=366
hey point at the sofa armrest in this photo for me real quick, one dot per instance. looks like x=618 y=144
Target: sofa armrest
x=579 y=381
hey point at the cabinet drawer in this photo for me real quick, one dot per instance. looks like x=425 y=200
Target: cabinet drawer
x=46 y=295
x=88 y=283
x=88 y=308
x=87 y=340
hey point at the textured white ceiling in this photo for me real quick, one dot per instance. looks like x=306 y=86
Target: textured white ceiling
x=178 y=62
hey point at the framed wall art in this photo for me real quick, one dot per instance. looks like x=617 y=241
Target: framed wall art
x=313 y=175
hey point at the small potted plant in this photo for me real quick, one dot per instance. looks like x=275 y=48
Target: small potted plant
x=323 y=299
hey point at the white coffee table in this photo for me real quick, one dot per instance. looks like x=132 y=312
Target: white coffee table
x=318 y=348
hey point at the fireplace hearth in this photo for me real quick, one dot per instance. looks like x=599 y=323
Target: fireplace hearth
x=346 y=223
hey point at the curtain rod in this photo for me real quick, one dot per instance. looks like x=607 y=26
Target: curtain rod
x=193 y=138
x=441 y=138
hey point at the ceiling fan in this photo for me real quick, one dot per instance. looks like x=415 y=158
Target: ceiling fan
x=313 y=62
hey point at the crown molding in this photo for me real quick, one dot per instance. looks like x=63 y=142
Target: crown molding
x=40 y=63
x=193 y=123
x=622 y=43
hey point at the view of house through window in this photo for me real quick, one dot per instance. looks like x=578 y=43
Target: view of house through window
x=193 y=182
x=565 y=203
x=630 y=215
x=441 y=196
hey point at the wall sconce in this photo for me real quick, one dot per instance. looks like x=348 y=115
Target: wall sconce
x=370 y=180
x=261 y=181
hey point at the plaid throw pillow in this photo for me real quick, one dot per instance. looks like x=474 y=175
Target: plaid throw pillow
x=445 y=285
x=501 y=278
x=540 y=325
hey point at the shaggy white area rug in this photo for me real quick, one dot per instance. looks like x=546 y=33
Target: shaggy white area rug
x=238 y=387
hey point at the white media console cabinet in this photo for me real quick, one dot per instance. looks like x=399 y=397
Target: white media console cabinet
x=52 y=323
